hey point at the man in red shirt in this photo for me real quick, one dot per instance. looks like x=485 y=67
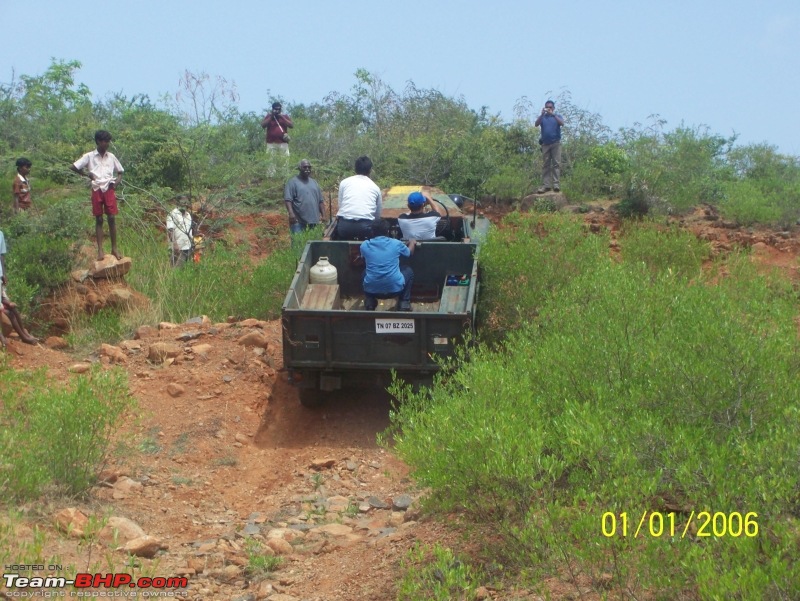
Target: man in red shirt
x=276 y=126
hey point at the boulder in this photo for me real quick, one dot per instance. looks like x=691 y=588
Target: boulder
x=114 y=353
x=93 y=302
x=201 y=349
x=175 y=390
x=280 y=546
x=111 y=267
x=79 y=275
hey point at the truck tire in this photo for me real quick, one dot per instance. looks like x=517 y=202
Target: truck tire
x=311 y=398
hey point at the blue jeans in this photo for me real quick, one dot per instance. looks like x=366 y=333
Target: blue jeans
x=353 y=229
x=371 y=300
x=297 y=227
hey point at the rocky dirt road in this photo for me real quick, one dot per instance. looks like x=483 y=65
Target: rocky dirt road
x=222 y=453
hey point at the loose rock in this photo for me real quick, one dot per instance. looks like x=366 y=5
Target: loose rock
x=160 y=351
x=72 y=521
x=56 y=343
x=145 y=332
x=175 y=390
x=120 y=530
x=144 y=546
x=254 y=339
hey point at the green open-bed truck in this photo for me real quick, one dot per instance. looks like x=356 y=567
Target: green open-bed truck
x=331 y=341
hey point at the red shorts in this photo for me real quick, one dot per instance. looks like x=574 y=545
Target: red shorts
x=104 y=202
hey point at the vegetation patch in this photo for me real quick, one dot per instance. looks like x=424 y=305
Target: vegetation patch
x=631 y=387
x=55 y=439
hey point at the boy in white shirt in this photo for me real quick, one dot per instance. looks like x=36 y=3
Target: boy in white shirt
x=180 y=231
x=105 y=173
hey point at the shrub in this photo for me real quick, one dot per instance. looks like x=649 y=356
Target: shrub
x=663 y=249
x=56 y=438
x=269 y=283
x=436 y=574
x=586 y=183
x=41 y=250
x=749 y=202
x=529 y=259
x=634 y=392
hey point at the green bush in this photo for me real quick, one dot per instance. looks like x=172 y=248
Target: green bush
x=586 y=183
x=527 y=260
x=42 y=249
x=225 y=282
x=56 y=438
x=761 y=201
x=88 y=331
x=632 y=391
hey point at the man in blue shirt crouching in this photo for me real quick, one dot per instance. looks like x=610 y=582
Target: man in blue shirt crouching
x=384 y=276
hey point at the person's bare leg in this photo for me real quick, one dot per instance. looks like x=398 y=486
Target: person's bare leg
x=98 y=234
x=112 y=233
x=16 y=323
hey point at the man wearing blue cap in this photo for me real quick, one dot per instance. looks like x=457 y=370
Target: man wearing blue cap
x=419 y=224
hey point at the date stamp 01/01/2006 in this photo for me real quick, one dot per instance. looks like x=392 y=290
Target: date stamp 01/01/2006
x=655 y=524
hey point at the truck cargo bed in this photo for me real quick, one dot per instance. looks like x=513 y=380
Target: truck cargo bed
x=328 y=335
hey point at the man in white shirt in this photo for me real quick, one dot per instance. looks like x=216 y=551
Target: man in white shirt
x=359 y=203
x=105 y=173
x=180 y=232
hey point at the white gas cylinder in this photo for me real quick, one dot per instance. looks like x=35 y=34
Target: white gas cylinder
x=323 y=272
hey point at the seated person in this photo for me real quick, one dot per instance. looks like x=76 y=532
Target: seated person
x=384 y=277
x=420 y=224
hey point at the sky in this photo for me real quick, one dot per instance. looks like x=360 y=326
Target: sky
x=731 y=66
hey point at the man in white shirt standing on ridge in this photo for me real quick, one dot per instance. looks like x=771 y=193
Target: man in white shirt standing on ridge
x=359 y=203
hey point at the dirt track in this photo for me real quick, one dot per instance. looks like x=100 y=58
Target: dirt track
x=223 y=452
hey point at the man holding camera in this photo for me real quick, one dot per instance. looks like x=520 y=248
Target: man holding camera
x=550 y=141
x=277 y=126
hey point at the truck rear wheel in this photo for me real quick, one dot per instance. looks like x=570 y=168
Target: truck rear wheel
x=312 y=398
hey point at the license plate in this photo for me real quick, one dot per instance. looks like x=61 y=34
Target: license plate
x=394 y=326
